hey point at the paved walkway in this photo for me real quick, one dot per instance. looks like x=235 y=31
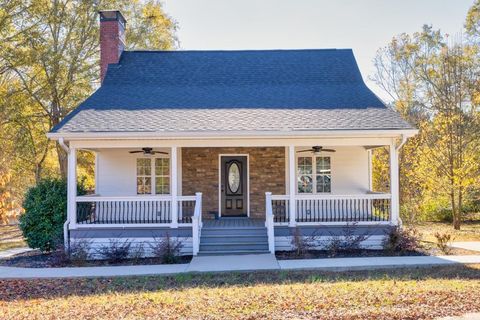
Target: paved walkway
x=90 y=272
x=238 y=263
x=345 y=264
x=467 y=245
x=11 y=252
x=251 y=262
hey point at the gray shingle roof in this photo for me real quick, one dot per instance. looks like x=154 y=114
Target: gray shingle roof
x=210 y=91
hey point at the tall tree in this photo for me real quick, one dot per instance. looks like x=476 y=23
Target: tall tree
x=54 y=58
x=438 y=80
x=394 y=75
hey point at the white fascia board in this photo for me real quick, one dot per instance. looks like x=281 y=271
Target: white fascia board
x=393 y=133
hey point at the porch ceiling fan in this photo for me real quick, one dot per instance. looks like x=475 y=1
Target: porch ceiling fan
x=148 y=151
x=317 y=150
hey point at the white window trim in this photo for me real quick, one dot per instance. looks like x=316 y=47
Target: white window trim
x=153 y=175
x=314 y=173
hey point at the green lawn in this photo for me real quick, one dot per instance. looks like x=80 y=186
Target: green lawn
x=470 y=231
x=389 y=294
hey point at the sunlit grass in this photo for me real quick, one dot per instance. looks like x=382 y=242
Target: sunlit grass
x=470 y=231
x=388 y=294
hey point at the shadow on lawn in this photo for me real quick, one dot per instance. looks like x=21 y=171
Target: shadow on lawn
x=53 y=288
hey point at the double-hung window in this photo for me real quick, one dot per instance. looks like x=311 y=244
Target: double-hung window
x=153 y=175
x=314 y=174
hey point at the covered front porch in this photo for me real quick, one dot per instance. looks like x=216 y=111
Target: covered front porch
x=185 y=184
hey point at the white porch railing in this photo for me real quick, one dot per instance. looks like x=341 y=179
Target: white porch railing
x=316 y=209
x=135 y=210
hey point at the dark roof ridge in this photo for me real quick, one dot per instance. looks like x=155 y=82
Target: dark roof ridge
x=235 y=50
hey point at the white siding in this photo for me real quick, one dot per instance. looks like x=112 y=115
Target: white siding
x=95 y=244
x=285 y=243
x=349 y=169
x=117 y=171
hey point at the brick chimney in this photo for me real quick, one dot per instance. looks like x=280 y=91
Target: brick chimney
x=112 y=38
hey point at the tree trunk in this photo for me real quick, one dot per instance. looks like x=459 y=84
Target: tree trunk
x=459 y=210
x=38 y=172
x=62 y=161
x=455 y=215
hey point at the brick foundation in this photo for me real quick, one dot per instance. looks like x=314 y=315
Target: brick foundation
x=200 y=174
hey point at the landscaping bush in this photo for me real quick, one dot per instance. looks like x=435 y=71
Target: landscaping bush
x=166 y=249
x=300 y=244
x=402 y=240
x=137 y=252
x=79 y=251
x=116 y=251
x=349 y=241
x=45 y=213
x=444 y=239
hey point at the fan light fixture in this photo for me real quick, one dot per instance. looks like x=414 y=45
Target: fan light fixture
x=317 y=150
x=148 y=151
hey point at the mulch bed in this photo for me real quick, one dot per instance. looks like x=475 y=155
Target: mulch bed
x=37 y=259
x=319 y=254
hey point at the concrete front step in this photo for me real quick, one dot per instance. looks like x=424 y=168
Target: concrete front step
x=235 y=239
x=233 y=246
x=232 y=252
x=234 y=232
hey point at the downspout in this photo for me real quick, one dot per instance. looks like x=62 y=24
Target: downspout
x=404 y=140
x=62 y=144
x=66 y=236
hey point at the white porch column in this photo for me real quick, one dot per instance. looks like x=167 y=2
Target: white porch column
x=394 y=184
x=370 y=170
x=72 y=187
x=96 y=172
x=292 y=185
x=173 y=186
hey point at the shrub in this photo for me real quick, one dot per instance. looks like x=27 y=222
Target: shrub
x=402 y=240
x=166 y=249
x=138 y=251
x=117 y=250
x=45 y=213
x=350 y=240
x=79 y=251
x=300 y=244
x=443 y=241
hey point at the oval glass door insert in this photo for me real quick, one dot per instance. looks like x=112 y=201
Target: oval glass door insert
x=234 y=177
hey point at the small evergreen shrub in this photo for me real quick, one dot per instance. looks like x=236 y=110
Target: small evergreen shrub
x=45 y=208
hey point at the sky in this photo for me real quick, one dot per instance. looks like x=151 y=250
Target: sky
x=363 y=25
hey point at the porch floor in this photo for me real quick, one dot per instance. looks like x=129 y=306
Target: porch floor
x=234 y=223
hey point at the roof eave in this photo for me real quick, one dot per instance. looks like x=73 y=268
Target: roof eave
x=231 y=134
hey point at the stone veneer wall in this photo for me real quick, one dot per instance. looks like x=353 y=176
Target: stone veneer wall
x=266 y=170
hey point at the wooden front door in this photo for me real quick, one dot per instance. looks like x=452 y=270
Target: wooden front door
x=233 y=187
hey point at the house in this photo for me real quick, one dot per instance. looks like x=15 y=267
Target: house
x=268 y=142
